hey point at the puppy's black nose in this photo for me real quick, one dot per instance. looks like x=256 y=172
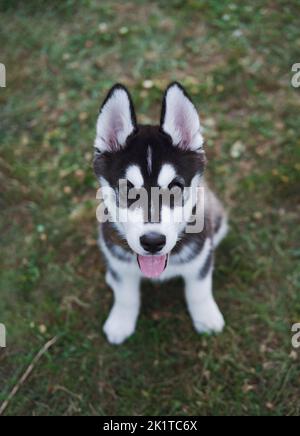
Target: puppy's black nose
x=153 y=242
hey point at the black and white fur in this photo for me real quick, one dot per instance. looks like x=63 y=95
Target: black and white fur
x=150 y=156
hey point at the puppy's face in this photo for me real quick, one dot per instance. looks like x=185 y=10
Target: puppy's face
x=150 y=173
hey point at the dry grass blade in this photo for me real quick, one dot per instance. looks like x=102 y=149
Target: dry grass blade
x=27 y=373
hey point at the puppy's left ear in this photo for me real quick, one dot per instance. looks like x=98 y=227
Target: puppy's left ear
x=180 y=120
x=116 y=120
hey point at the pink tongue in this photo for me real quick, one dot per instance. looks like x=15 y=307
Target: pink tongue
x=152 y=266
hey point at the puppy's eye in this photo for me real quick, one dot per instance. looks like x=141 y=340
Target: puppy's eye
x=176 y=183
x=129 y=185
x=123 y=189
x=124 y=186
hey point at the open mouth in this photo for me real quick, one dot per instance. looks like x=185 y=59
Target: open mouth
x=152 y=266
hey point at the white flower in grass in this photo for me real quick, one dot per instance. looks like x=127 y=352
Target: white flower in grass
x=237 y=149
x=148 y=84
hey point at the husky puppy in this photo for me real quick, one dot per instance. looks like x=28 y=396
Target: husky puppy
x=132 y=160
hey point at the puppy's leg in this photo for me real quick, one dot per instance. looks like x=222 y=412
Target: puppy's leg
x=123 y=316
x=202 y=307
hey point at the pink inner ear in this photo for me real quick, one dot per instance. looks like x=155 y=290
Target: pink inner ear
x=183 y=127
x=116 y=128
x=116 y=121
x=181 y=120
x=184 y=145
x=112 y=141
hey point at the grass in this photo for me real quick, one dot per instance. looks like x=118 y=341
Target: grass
x=235 y=59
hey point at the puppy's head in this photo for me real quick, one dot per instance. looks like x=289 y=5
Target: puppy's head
x=150 y=172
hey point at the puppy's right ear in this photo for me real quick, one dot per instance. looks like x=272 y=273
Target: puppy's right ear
x=116 y=120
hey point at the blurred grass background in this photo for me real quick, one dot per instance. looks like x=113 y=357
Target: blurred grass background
x=235 y=59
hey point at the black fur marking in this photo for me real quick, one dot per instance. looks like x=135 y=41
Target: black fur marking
x=207 y=265
x=113 y=166
x=124 y=257
x=114 y=274
x=117 y=247
x=195 y=248
x=195 y=241
x=218 y=223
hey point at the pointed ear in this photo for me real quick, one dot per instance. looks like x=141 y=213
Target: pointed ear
x=116 y=120
x=180 y=120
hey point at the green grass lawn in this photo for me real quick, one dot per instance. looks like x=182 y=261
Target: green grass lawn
x=235 y=59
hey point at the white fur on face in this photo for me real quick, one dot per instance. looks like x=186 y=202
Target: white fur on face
x=181 y=120
x=166 y=175
x=134 y=175
x=130 y=222
x=172 y=222
x=114 y=123
x=135 y=227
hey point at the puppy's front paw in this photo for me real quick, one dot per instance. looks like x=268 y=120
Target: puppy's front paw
x=209 y=318
x=118 y=327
